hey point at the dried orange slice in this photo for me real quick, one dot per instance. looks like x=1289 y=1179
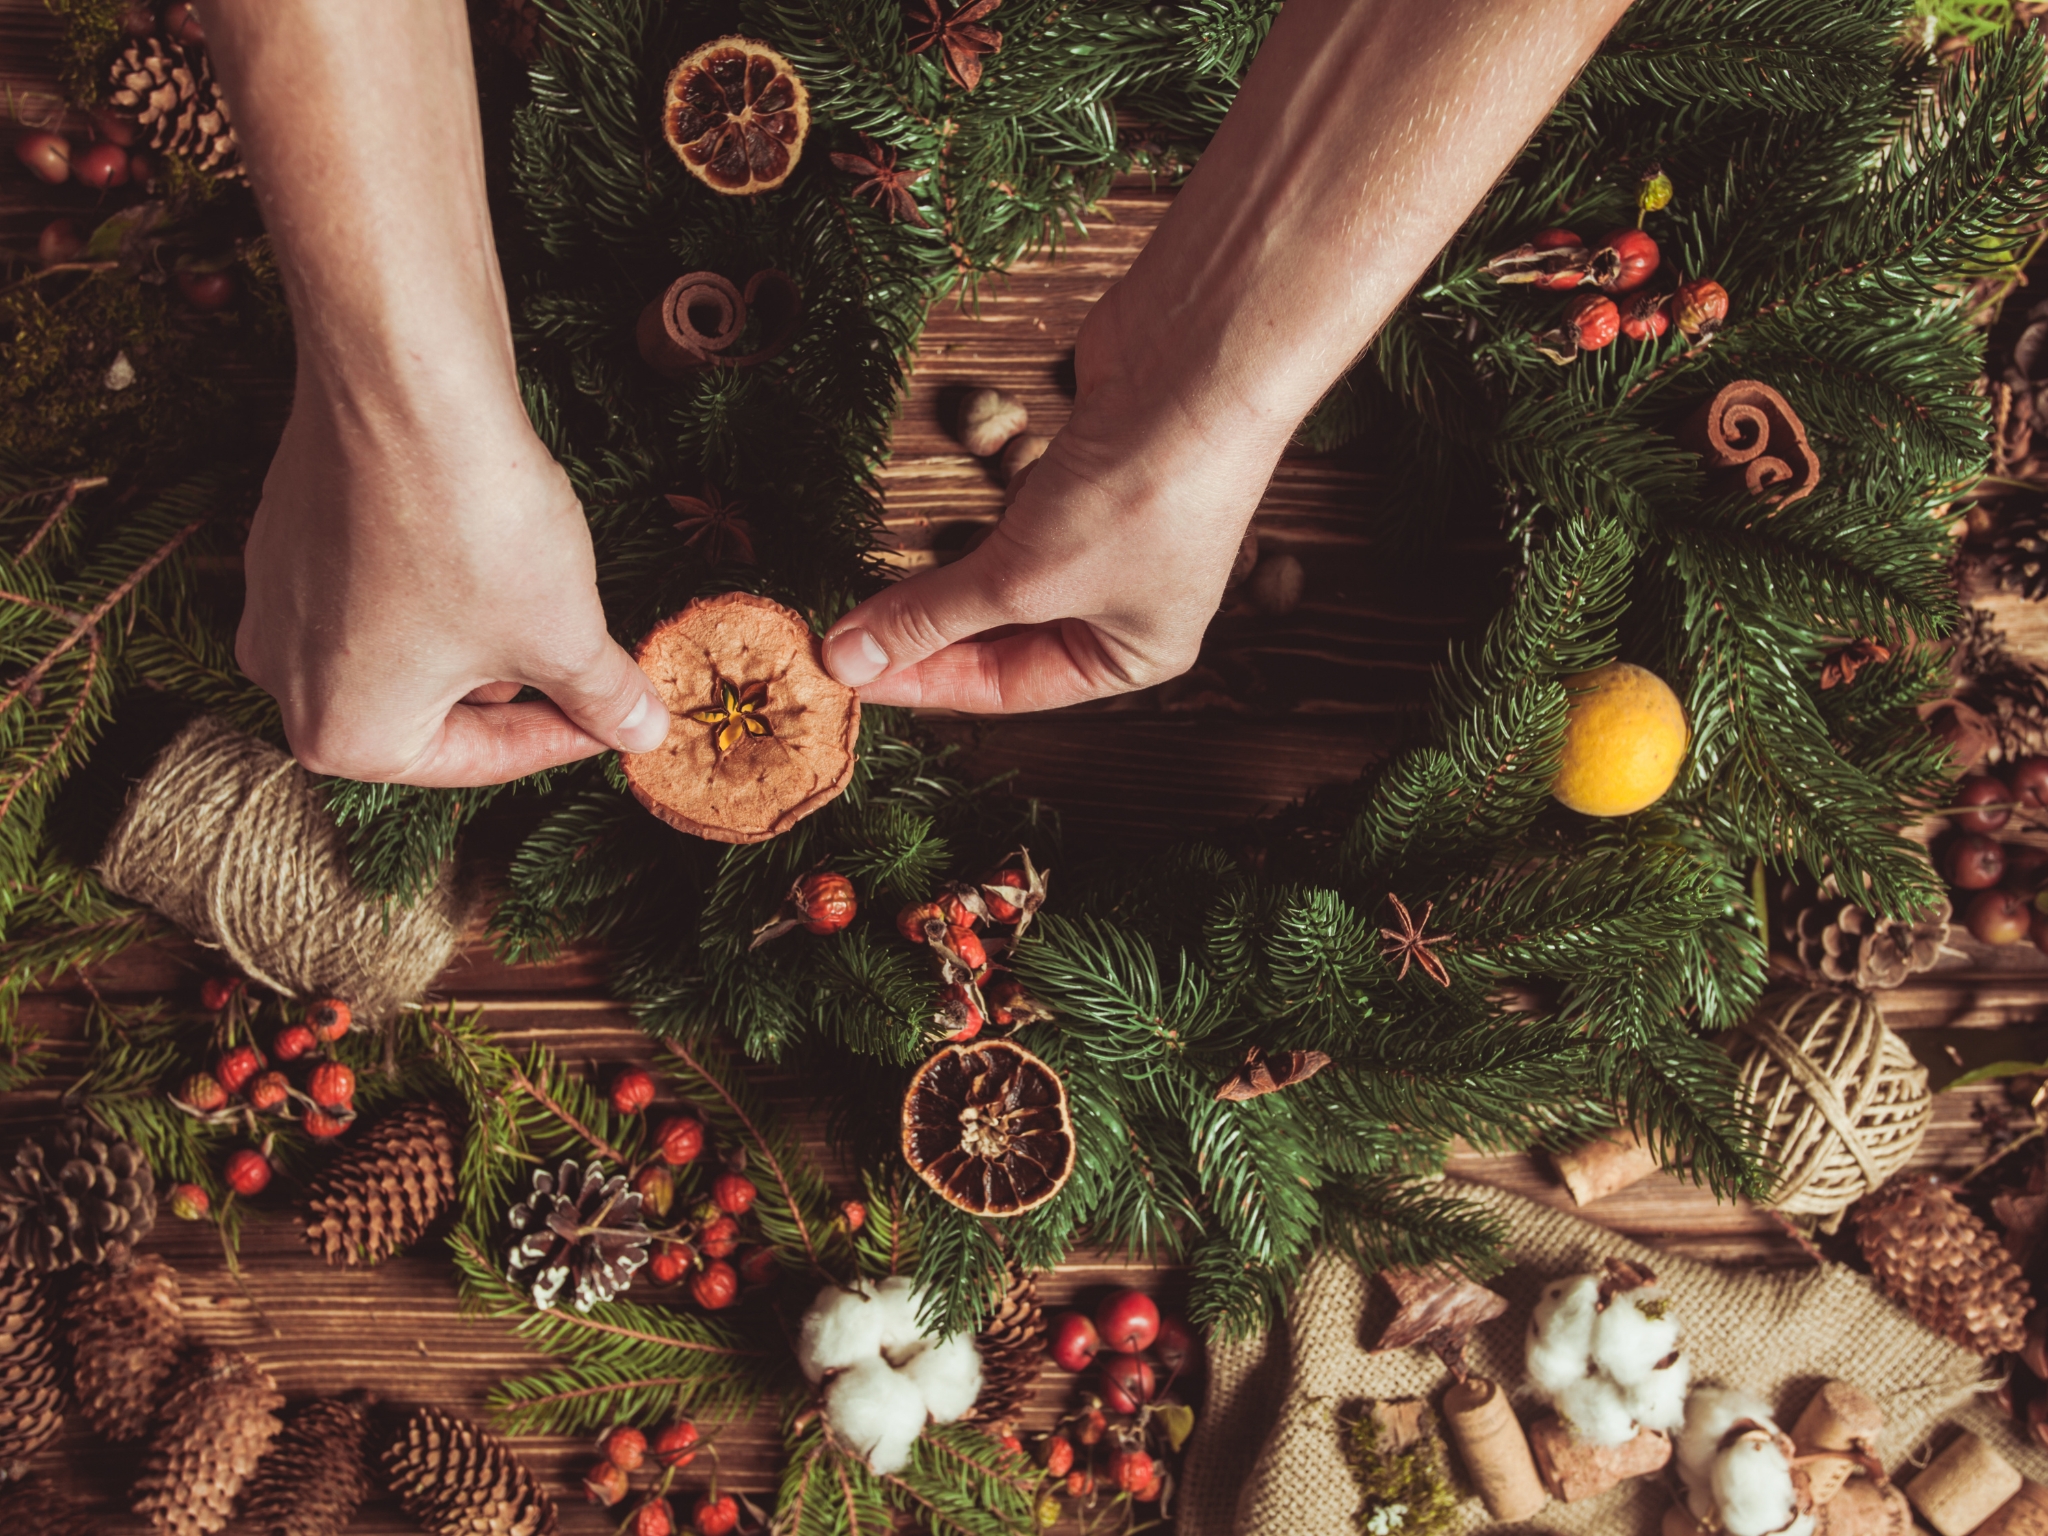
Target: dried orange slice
x=759 y=736
x=736 y=114
x=987 y=1126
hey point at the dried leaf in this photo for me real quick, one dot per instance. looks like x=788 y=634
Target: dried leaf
x=1269 y=1071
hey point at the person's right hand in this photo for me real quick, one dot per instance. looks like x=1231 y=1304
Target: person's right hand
x=406 y=577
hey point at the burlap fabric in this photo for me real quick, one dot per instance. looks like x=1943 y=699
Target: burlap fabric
x=1264 y=1460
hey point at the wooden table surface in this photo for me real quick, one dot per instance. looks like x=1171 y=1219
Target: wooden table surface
x=1316 y=694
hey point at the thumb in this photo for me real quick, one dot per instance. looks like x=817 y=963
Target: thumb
x=611 y=699
x=920 y=615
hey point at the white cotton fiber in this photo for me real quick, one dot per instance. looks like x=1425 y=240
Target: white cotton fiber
x=900 y=1302
x=1752 y=1486
x=842 y=1328
x=1596 y=1413
x=1658 y=1401
x=1709 y=1414
x=1628 y=1341
x=877 y=1411
x=1561 y=1332
x=949 y=1376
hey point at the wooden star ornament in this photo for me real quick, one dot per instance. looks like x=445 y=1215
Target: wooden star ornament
x=959 y=35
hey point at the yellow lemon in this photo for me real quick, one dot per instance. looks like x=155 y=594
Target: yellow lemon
x=1623 y=740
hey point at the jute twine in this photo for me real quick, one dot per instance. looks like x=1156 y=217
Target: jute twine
x=228 y=838
x=1841 y=1101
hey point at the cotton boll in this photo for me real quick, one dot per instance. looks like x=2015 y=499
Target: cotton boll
x=877 y=1411
x=1596 y=1412
x=949 y=1376
x=900 y=1332
x=1628 y=1340
x=1561 y=1332
x=842 y=1328
x=1752 y=1486
x=1709 y=1414
x=1659 y=1401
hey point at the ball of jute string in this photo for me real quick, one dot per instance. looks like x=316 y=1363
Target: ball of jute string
x=1840 y=1102
x=231 y=840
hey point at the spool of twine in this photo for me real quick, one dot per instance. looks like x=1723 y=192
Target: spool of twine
x=229 y=838
x=1841 y=1102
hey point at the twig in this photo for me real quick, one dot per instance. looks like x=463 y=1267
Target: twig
x=53 y=270
x=540 y=1096
x=27 y=775
x=677 y=1048
x=65 y=498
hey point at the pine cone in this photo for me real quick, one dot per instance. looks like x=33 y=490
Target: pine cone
x=37 y=1507
x=458 y=1479
x=578 y=1230
x=31 y=1397
x=2018 y=556
x=317 y=1474
x=125 y=1329
x=214 y=1427
x=80 y=1197
x=380 y=1196
x=1939 y=1262
x=1848 y=945
x=1012 y=1346
x=169 y=89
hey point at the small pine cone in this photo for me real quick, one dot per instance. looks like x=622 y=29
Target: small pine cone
x=606 y=1239
x=125 y=1329
x=214 y=1426
x=380 y=1196
x=169 y=90
x=458 y=1479
x=31 y=1397
x=1012 y=1347
x=317 y=1474
x=2018 y=559
x=76 y=1196
x=1843 y=943
x=37 y=1507
x=1938 y=1261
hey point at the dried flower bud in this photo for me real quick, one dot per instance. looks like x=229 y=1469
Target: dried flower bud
x=989 y=419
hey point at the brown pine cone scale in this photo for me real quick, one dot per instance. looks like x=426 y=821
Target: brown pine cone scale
x=380 y=1196
x=168 y=88
x=1932 y=1256
x=215 y=1424
x=125 y=1328
x=36 y=1507
x=317 y=1474
x=458 y=1479
x=1012 y=1346
x=31 y=1396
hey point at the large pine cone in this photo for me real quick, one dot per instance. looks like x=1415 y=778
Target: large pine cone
x=81 y=1196
x=125 y=1329
x=36 y=1507
x=458 y=1479
x=380 y=1196
x=214 y=1427
x=1012 y=1346
x=1939 y=1262
x=31 y=1397
x=169 y=89
x=1850 y=946
x=317 y=1474
x=580 y=1232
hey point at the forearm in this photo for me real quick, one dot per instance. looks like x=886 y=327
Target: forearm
x=1364 y=134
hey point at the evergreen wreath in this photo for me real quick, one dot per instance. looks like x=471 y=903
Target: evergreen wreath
x=1841 y=187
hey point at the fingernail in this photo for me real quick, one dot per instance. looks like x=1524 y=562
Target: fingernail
x=853 y=657
x=645 y=728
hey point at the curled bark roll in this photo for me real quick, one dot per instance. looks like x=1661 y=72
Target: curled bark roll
x=701 y=316
x=1752 y=441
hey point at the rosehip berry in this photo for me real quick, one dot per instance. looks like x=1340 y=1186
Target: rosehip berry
x=825 y=902
x=269 y=1091
x=1005 y=891
x=1644 y=317
x=189 y=1202
x=625 y=1447
x=1625 y=261
x=1975 y=863
x=605 y=1483
x=237 y=1067
x=715 y=1286
x=966 y=943
x=318 y=1122
x=957 y=1015
x=757 y=1265
x=206 y=290
x=1010 y=1003
x=657 y=1187
x=1073 y=1341
x=1700 y=307
x=1177 y=1347
x=101 y=167
x=652 y=1519
x=921 y=921
x=1559 y=240
x=680 y=1139
x=1011 y=1444
x=1149 y=1494
x=1080 y=1483
x=216 y=992
x=1592 y=321
x=1127 y=1383
x=203 y=1092
x=1131 y=1469
x=676 y=1446
x=1059 y=1456
x=715 y=1517
x=1049 y=1511
x=331 y=1018
x=719 y=1238
x=292 y=1042
x=1090 y=1427
x=632 y=1091
x=733 y=1193
x=854 y=1214
x=671 y=1261
x=1128 y=1321
x=248 y=1172
x=1985 y=804
x=332 y=1085
x=47 y=156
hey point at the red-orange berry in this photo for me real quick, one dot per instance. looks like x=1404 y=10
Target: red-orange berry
x=670 y=1262
x=921 y=920
x=248 y=1172
x=189 y=1202
x=632 y=1091
x=715 y=1286
x=733 y=1193
x=203 y=1092
x=331 y=1018
x=715 y=1517
x=1131 y=1469
x=679 y=1139
x=719 y=1238
x=854 y=1214
x=1059 y=1456
x=757 y=1265
x=653 y=1519
x=625 y=1447
x=318 y=1122
x=292 y=1042
x=237 y=1067
x=269 y=1091
x=605 y=1483
x=825 y=902
x=332 y=1085
x=216 y=992
x=1080 y=1483
x=676 y=1446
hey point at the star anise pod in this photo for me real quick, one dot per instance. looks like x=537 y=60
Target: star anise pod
x=1412 y=943
x=716 y=525
x=1840 y=668
x=882 y=184
x=959 y=36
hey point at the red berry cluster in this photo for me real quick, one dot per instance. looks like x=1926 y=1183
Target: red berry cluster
x=626 y=1450
x=1999 y=882
x=703 y=1243
x=1619 y=267
x=1007 y=897
x=1138 y=1354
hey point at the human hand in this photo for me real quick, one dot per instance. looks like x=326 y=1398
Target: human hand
x=406 y=578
